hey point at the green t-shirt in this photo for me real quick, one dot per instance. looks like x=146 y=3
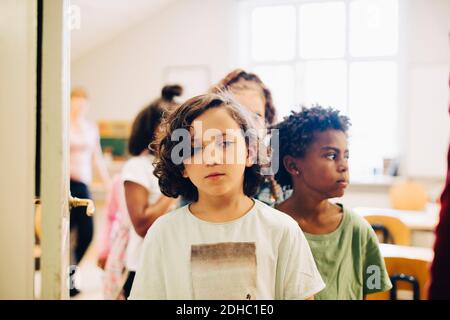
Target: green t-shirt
x=349 y=260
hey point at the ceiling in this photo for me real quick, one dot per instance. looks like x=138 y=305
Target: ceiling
x=102 y=20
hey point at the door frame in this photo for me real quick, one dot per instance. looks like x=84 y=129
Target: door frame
x=54 y=164
x=17 y=139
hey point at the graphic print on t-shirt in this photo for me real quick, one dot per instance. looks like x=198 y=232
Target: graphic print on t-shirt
x=224 y=271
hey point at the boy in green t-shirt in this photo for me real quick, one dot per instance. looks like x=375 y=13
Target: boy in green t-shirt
x=314 y=162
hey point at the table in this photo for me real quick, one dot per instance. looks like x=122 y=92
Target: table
x=392 y=250
x=416 y=220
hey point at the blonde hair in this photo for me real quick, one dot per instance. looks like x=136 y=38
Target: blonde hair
x=78 y=93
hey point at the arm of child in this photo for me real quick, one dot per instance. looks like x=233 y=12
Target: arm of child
x=297 y=274
x=149 y=281
x=143 y=214
x=376 y=278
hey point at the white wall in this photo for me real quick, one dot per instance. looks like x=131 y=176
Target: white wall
x=426 y=97
x=126 y=73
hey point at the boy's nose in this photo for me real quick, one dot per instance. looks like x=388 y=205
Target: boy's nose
x=343 y=166
x=212 y=155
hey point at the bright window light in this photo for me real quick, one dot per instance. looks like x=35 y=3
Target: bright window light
x=323 y=82
x=281 y=81
x=338 y=53
x=273 y=33
x=322 y=30
x=373 y=28
x=373 y=111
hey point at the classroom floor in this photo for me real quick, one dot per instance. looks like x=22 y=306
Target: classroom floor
x=89 y=274
x=91 y=285
x=90 y=278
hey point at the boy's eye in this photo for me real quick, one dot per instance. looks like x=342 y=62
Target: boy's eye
x=258 y=117
x=347 y=156
x=331 y=156
x=221 y=144
x=195 y=150
x=225 y=144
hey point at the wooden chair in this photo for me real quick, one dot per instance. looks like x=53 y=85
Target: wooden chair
x=408 y=195
x=407 y=275
x=398 y=232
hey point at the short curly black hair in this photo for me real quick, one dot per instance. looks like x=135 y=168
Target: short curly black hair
x=296 y=134
x=170 y=175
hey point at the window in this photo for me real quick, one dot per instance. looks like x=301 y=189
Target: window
x=338 y=53
x=322 y=30
x=273 y=33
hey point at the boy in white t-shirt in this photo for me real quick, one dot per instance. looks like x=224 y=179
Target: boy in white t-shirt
x=224 y=245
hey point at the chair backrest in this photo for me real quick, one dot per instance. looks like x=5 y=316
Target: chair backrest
x=398 y=231
x=415 y=271
x=417 y=268
x=383 y=231
x=408 y=195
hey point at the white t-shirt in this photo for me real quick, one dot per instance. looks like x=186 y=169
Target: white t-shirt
x=139 y=170
x=261 y=255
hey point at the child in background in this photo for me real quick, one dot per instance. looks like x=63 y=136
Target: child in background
x=253 y=94
x=143 y=198
x=224 y=245
x=112 y=214
x=114 y=242
x=85 y=154
x=314 y=162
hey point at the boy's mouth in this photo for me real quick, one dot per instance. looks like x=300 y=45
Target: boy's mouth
x=214 y=175
x=342 y=182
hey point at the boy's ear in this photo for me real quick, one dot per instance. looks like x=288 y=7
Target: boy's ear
x=291 y=166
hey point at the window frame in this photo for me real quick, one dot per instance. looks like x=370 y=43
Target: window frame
x=247 y=7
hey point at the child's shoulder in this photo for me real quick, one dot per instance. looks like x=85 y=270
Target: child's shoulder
x=173 y=215
x=357 y=222
x=276 y=218
x=170 y=220
x=132 y=162
x=269 y=216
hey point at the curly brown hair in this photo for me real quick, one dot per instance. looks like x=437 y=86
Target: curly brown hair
x=297 y=132
x=169 y=174
x=238 y=74
x=146 y=123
